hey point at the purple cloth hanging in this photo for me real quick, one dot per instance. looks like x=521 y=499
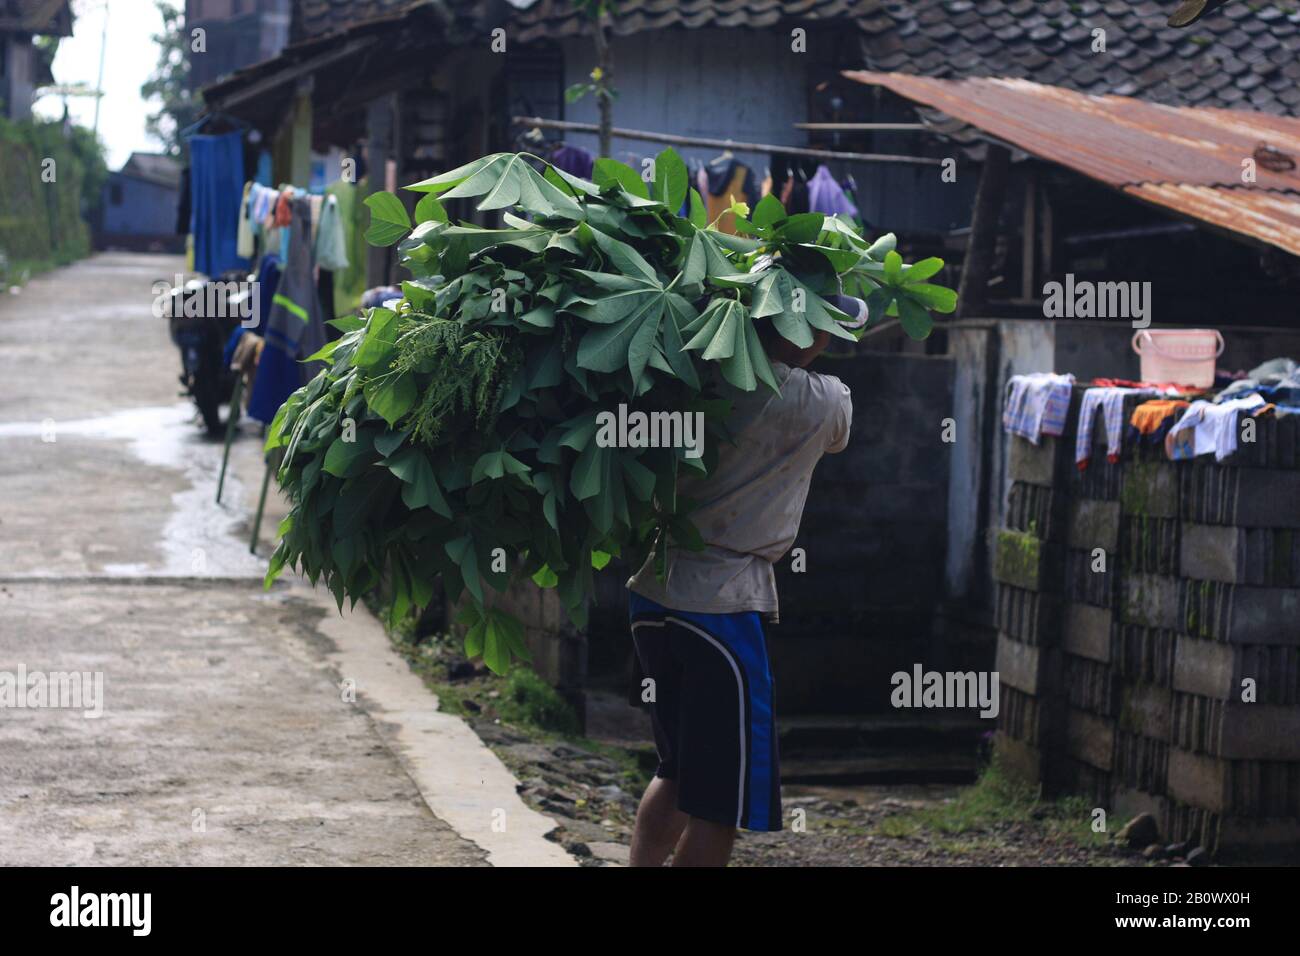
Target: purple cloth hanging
x=574 y=160
x=826 y=196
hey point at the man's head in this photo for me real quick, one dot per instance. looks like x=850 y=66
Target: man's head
x=781 y=349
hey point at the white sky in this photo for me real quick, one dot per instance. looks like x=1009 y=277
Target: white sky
x=130 y=56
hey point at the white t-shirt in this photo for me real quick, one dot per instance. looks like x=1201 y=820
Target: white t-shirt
x=750 y=506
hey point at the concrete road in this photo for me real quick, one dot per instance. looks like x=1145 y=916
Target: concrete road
x=199 y=719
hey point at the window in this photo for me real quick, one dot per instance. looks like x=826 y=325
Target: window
x=115 y=194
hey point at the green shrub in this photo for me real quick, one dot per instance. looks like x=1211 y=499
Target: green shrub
x=529 y=699
x=45 y=223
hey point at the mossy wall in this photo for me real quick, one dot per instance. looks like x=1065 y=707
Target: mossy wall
x=41 y=222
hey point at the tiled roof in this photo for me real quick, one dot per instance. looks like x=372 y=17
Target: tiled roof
x=49 y=17
x=562 y=18
x=155 y=167
x=314 y=18
x=553 y=19
x=1242 y=55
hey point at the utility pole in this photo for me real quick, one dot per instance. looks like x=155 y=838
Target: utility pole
x=99 y=84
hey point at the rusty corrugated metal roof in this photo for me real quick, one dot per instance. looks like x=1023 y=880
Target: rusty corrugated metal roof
x=1189 y=159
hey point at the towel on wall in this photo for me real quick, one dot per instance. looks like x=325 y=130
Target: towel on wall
x=1209 y=427
x=1111 y=402
x=1037 y=404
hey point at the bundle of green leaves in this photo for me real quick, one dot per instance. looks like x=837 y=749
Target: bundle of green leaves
x=453 y=436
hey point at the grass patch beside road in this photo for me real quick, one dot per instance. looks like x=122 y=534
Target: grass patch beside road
x=996 y=802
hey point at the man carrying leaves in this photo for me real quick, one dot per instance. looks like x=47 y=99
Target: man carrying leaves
x=699 y=633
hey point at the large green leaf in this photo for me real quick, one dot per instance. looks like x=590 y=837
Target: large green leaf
x=377 y=346
x=502 y=180
x=388 y=219
x=345 y=458
x=420 y=487
x=610 y=172
x=392 y=396
x=671 y=181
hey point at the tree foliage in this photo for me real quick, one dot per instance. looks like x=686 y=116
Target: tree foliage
x=178 y=107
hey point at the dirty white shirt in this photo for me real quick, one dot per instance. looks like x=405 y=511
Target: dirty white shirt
x=750 y=506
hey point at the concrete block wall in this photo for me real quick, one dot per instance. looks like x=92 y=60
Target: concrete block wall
x=1123 y=680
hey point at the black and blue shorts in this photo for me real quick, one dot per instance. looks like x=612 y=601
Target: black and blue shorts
x=712 y=710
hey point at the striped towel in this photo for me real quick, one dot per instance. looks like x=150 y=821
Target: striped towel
x=1111 y=401
x=1037 y=404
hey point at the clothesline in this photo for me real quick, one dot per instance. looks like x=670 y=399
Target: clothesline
x=712 y=143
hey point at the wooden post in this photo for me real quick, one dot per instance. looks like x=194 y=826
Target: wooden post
x=300 y=150
x=1028 y=245
x=605 y=85
x=381 y=141
x=272 y=465
x=972 y=292
x=232 y=423
x=1048 y=256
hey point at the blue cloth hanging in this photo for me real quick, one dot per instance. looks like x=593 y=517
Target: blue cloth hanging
x=294 y=328
x=217 y=188
x=268 y=279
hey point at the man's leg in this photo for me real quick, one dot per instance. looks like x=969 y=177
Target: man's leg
x=659 y=824
x=705 y=843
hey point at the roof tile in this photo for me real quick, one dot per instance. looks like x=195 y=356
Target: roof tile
x=1043 y=39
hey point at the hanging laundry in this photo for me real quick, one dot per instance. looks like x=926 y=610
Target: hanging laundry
x=573 y=160
x=331 y=242
x=1111 y=401
x=1168 y=388
x=1277 y=380
x=217 y=185
x=350 y=281
x=263 y=176
x=246 y=238
x=294 y=328
x=1209 y=427
x=268 y=281
x=826 y=196
x=268 y=278
x=317 y=206
x=1151 y=421
x=284 y=216
x=1037 y=404
x=725 y=183
x=798 y=202
x=262 y=203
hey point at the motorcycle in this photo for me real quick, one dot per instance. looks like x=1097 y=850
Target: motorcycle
x=201 y=316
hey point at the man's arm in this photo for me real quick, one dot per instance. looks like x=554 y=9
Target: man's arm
x=840 y=415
